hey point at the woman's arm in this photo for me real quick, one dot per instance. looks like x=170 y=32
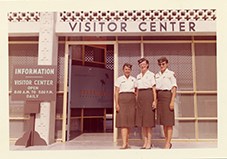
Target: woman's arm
x=173 y=91
x=154 y=104
x=116 y=96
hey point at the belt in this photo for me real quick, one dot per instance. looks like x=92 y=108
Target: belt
x=126 y=93
x=145 y=89
x=165 y=90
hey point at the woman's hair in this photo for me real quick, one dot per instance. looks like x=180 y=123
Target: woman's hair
x=127 y=65
x=142 y=60
x=163 y=59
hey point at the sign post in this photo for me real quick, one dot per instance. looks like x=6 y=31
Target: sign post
x=31 y=137
x=33 y=84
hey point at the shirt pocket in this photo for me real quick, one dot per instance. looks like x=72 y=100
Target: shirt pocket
x=168 y=76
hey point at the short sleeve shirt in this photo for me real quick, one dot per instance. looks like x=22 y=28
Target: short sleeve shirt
x=165 y=80
x=146 y=81
x=126 y=84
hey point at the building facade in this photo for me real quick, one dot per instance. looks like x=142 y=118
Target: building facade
x=108 y=39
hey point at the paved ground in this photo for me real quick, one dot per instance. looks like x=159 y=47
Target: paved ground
x=98 y=141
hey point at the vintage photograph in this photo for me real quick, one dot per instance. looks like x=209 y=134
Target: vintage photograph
x=139 y=80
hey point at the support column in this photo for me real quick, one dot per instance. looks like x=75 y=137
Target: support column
x=47 y=55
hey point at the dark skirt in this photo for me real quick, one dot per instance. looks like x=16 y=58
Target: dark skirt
x=145 y=115
x=165 y=116
x=125 y=118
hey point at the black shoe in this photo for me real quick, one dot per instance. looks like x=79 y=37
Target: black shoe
x=125 y=147
x=170 y=146
x=149 y=147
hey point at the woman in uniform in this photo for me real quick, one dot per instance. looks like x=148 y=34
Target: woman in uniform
x=166 y=92
x=125 y=99
x=145 y=116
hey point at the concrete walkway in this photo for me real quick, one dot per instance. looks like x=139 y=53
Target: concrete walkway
x=99 y=141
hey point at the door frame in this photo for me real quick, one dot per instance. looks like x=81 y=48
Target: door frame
x=65 y=126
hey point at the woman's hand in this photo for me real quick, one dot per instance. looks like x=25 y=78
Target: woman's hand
x=171 y=105
x=154 y=105
x=117 y=108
